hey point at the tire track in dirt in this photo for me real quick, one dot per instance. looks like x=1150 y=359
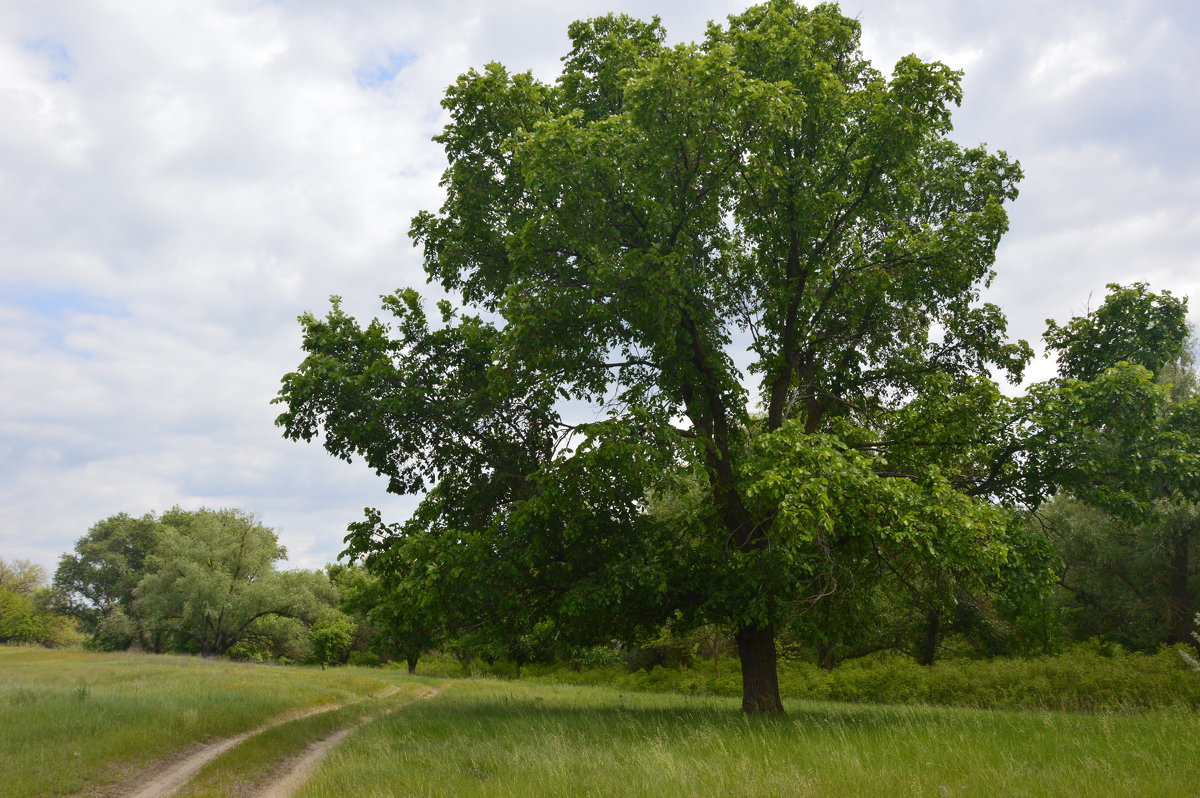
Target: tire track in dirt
x=299 y=770
x=169 y=780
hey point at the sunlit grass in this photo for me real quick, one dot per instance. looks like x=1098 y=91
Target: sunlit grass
x=504 y=739
x=72 y=719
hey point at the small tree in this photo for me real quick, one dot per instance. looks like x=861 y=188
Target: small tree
x=28 y=609
x=331 y=640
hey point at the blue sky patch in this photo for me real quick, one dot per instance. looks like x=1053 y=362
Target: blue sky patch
x=382 y=68
x=57 y=304
x=57 y=56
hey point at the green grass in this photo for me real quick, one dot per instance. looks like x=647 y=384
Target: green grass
x=504 y=739
x=75 y=722
x=1082 y=679
x=255 y=762
x=71 y=720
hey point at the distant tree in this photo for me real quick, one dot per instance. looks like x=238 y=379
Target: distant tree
x=331 y=641
x=1131 y=450
x=391 y=622
x=21 y=576
x=98 y=580
x=28 y=608
x=212 y=577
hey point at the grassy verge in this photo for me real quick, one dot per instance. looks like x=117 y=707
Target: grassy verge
x=1079 y=680
x=71 y=720
x=484 y=738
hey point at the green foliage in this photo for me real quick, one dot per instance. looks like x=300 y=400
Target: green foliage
x=1089 y=677
x=1130 y=451
x=1120 y=577
x=211 y=581
x=1133 y=325
x=364 y=659
x=331 y=640
x=1118 y=429
x=28 y=609
x=98 y=580
x=621 y=229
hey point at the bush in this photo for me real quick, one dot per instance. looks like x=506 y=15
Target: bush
x=1090 y=677
x=365 y=659
x=246 y=651
x=331 y=641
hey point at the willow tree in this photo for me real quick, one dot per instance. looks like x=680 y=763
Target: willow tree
x=744 y=273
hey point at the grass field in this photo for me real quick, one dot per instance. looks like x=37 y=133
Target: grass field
x=72 y=719
x=505 y=739
x=72 y=723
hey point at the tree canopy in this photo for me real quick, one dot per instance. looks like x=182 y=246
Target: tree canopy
x=720 y=350
x=212 y=577
x=99 y=577
x=191 y=580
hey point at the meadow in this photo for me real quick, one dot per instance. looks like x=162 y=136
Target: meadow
x=487 y=738
x=73 y=720
x=76 y=723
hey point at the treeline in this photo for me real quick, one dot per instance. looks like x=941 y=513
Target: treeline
x=29 y=608
x=204 y=582
x=1106 y=583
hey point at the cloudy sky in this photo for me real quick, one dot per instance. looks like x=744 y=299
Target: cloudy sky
x=179 y=180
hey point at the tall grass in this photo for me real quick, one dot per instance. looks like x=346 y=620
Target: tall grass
x=506 y=739
x=1083 y=679
x=72 y=719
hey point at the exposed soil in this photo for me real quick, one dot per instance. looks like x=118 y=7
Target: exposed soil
x=172 y=774
x=167 y=776
x=297 y=770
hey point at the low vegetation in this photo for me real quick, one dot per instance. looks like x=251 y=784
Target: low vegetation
x=79 y=722
x=1089 y=678
x=483 y=738
x=73 y=719
x=261 y=759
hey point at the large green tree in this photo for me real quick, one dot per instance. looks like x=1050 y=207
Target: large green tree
x=98 y=579
x=211 y=580
x=658 y=244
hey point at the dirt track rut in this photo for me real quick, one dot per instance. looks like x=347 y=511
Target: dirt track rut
x=172 y=777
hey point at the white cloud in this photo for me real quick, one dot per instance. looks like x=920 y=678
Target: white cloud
x=179 y=180
x=1069 y=64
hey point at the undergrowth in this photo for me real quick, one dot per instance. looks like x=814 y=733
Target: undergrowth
x=1087 y=678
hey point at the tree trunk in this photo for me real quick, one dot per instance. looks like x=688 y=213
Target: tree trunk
x=760 y=678
x=826 y=657
x=933 y=629
x=1179 y=597
x=412 y=663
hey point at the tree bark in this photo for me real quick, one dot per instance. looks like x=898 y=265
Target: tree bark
x=760 y=677
x=933 y=630
x=412 y=663
x=1179 y=596
x=826 y=657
